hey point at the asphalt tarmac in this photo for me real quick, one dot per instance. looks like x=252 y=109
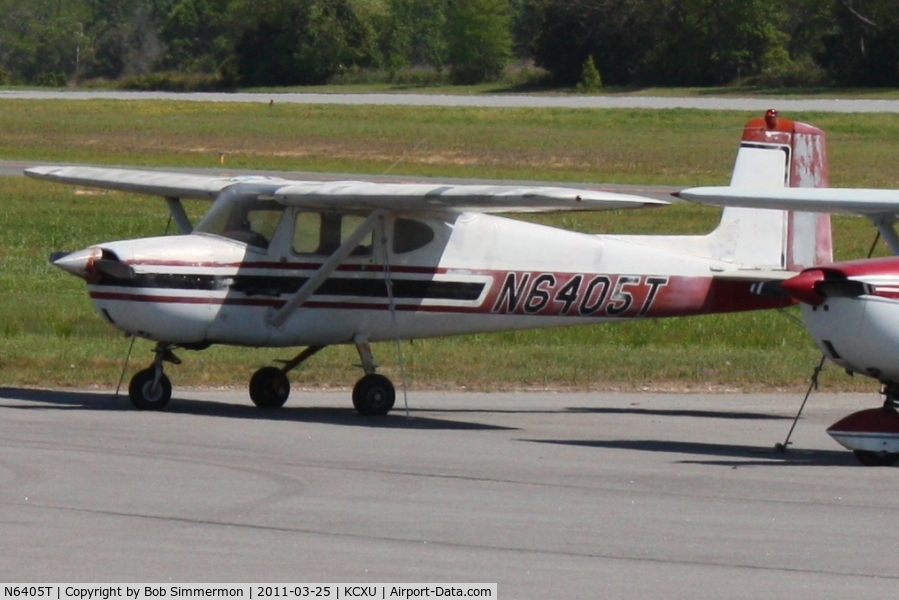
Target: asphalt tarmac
x=550 y=495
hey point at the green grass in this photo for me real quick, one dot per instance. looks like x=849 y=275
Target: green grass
x=672 y=147
x=50 y=335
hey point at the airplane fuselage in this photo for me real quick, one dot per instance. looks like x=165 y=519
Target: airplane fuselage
x=473 y=273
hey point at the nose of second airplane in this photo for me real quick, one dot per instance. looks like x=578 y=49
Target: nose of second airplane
x=78 y=263
x=803 y=287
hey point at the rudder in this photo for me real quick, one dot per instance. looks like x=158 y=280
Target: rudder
x=776 y=153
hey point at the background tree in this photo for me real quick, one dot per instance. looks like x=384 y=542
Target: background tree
x=478 y=38
x=301 y=42
x=412 y=33
x=123 y=37
x=616 y=33
x=195 y=35
x=290 y=42
x=807 y=23
x=864 y=46
x=42 y=41
x=660 y=42
x=714 y=42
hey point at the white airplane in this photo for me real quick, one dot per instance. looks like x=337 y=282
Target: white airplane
x=851 y=309
x=280 y=263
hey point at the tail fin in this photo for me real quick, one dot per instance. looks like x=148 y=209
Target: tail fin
x=776 y=153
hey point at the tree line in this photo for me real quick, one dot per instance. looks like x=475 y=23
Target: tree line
x=231 y=43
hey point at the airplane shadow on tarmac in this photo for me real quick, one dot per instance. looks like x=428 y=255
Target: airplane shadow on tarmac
x=100 y=401
x=725 y=455
x=695 y=414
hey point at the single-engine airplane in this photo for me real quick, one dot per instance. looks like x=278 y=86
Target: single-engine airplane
x=281 y=263
x=851 y=309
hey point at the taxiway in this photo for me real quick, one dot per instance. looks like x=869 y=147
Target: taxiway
x=550 y=495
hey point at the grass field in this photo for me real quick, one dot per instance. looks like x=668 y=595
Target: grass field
x=49 y=334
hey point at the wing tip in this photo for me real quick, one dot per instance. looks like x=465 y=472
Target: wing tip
x=41 y=171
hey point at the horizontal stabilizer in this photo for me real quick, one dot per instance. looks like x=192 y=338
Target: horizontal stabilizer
x=756 y=275
x=849 y=201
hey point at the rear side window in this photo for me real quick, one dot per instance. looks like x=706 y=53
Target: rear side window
x=409 y=235
x=323 y=233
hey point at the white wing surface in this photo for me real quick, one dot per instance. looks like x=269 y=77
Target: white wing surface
x=479 y=198
x=350 y=195
x=849 y=201
x=156 y=183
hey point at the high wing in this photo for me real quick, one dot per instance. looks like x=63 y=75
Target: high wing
x=849 y=201
x=475 y=198
x=349 y=195
x=156 y=183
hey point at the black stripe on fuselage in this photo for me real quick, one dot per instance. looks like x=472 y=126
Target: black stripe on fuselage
x=274 y=286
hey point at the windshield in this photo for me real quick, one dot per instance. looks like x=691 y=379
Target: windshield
x=248 y=220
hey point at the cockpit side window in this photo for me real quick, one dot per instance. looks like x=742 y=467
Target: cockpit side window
x=323 y=233
x=261 y=224
x=249 y=220
x=306 y=233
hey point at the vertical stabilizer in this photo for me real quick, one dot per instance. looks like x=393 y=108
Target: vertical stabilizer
x=776 y=153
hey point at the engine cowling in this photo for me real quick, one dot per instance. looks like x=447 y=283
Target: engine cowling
x=851 y=310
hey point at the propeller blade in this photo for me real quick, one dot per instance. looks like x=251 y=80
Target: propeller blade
x=814 y=286
x=114 y=268
x=842 y=288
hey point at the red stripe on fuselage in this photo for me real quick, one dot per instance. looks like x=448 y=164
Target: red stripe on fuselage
x=289 y=266
x=531 y=293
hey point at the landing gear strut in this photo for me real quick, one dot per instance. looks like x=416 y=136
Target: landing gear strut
x=891 y=396
x=270 y=387
x=151 y=389
x=373 y=394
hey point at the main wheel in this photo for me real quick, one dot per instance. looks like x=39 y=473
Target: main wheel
x=269 y=387
x=876 y=459
x=373 y=395
x=147 y=396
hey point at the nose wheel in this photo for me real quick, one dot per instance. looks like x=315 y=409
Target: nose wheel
x=872 y=434
x=148 y=393
x=151 y=389
x=876 y=459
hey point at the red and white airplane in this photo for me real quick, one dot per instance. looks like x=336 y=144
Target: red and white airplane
x=851 y=309
x=282 y=263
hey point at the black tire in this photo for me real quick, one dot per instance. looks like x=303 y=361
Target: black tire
x=876 y=459
x=373 y=396
x=269 y=388
x=142 y=393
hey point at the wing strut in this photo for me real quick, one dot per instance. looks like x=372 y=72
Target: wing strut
x=884 y=224
x=327 y=268
x=179 y=215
